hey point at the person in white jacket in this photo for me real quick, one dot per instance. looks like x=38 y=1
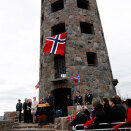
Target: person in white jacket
x=34 y=108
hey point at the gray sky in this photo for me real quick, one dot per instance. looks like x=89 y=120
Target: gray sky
x=19 y=47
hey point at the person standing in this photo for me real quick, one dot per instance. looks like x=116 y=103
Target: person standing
x=69 y=101
x=78 y=98
x=88 y=97
x=25 y=110
x=19 y=109
x=34 y=108
x=50 y=110
x=30 y=115
x=28 y=110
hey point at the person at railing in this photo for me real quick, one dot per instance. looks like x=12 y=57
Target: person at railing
x=106 y=107
x=78 y=98
x=128 y=106
x=117 y=112
x=99 y=113
x=120 y=106
x=81 y=117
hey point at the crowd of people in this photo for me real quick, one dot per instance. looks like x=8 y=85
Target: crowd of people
x=31 y=110
x=108 y=111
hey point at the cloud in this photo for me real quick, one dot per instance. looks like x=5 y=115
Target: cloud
x=19 y=51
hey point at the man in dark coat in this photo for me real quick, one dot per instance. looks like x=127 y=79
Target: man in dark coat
x=50 y=110
x=19 y=109
x=25 y=110
x=78 y=98
x=117 y=112
x=28 y=111
x=81 y=118
x=88 y=97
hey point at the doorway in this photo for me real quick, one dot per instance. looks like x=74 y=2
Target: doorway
x=60 y=98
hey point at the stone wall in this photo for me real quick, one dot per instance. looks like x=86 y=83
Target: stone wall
x=6 y=125
x=11 y=116
x=98 y=79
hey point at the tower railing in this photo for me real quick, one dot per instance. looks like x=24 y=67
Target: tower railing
x=104 y=127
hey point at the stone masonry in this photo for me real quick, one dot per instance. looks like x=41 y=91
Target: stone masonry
x=97 y=78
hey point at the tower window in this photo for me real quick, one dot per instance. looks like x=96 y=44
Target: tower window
x=58 y=29
x=59 y=66
x=58 y=5
x=41 y=40
x=42 y=18
x=84 y=4
x=91 y=58
x=42 y=1
x=87 y=28
x=41 y=69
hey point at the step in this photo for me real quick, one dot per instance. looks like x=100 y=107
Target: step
x=25 y=125
x=33 y=129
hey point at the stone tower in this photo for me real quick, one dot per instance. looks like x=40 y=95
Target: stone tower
x=85 y=51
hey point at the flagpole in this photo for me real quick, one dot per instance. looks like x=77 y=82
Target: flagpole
x=80 y=84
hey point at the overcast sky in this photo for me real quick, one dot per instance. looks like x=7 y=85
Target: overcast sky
x=20 y=40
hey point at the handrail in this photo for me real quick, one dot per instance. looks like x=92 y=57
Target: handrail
x=115 y=123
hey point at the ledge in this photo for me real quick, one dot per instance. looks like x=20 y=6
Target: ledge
x=60 y=79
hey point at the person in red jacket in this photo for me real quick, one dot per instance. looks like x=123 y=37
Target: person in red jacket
x=128 y=105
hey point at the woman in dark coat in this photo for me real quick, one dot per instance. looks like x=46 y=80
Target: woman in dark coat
x=117 y=114
x=106 y=107
x=99 y=114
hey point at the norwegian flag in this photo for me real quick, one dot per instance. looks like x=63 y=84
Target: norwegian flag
x=117 y=126
x=37 y=86
x=89 y=123
x=76 y=78
x=71 y=118
x=55 y=44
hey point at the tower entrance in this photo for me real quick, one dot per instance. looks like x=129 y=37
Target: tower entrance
x=60 y=98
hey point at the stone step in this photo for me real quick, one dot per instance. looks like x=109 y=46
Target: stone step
x=33 y=129
x=24 y=125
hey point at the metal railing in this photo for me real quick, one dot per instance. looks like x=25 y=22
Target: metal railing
x=104 y=127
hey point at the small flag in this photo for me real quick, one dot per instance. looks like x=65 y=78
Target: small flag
x=41 y=117
x=117 y=126
x=55 y=44
x=76 y=78
x=71 y=118
x=37 y=86
x=89 y=123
